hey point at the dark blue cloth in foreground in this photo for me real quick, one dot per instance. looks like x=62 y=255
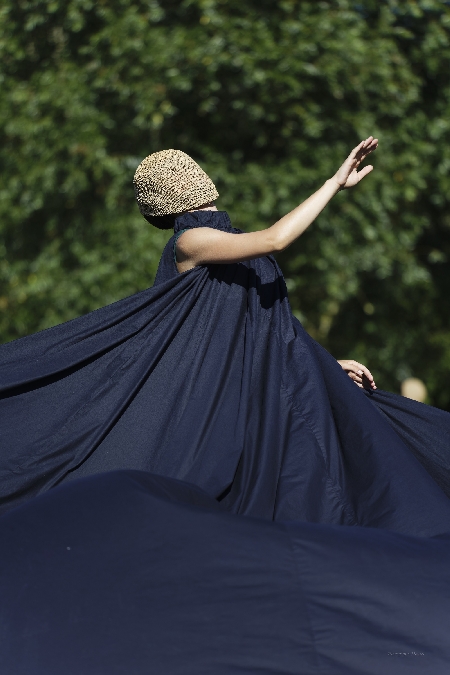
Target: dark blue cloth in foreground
x=127 y=572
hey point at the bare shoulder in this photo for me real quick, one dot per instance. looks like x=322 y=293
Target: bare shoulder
x=196 y=235
x=205 y=245
x=191 y=243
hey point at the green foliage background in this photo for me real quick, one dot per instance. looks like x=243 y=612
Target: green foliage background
x=269 y=96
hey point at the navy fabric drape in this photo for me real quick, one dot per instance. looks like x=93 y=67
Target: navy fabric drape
x=159 y=421
x=126 y=572
x=207 y=377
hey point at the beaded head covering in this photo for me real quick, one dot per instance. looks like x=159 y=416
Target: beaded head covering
x=168 y=183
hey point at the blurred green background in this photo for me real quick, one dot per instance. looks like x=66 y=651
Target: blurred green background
x=269 y=96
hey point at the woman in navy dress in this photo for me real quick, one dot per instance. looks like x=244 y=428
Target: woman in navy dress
x=199 y=400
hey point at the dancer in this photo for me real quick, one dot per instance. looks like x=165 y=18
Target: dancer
x=202 y=246
x=207 y=377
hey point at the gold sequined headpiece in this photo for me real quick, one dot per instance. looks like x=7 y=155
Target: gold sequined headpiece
x=168 y=183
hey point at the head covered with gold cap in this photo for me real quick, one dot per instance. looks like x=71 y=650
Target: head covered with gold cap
x=168 y=183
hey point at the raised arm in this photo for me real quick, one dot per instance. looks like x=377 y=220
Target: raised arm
x=204 y=245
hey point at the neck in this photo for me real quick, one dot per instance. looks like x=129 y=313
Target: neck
x=206 y=207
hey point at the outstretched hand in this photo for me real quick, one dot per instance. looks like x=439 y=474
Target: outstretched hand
x=348 y=176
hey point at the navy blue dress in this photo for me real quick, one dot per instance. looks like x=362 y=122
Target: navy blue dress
x=209 y=383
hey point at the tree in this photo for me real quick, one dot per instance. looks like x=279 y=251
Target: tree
x=269 y=97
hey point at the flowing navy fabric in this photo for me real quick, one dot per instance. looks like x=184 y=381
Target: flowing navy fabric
x=126 y=572
x=134 y=439
x=207 y=377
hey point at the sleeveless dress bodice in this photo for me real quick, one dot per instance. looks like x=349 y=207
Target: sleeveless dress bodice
x=216 y=220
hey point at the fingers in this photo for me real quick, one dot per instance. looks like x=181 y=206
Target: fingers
x=365 y=147
x=361 y=368
x=358 y=373
x=357 y=379
x=371 y=143
x=366 y=150
x=370 y=147
x=355 y=151
x=359 y=154
x=367 y=169
x=363 y=144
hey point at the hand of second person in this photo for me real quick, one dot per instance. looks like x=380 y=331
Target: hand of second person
x=348 y=176
x=360 y=375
